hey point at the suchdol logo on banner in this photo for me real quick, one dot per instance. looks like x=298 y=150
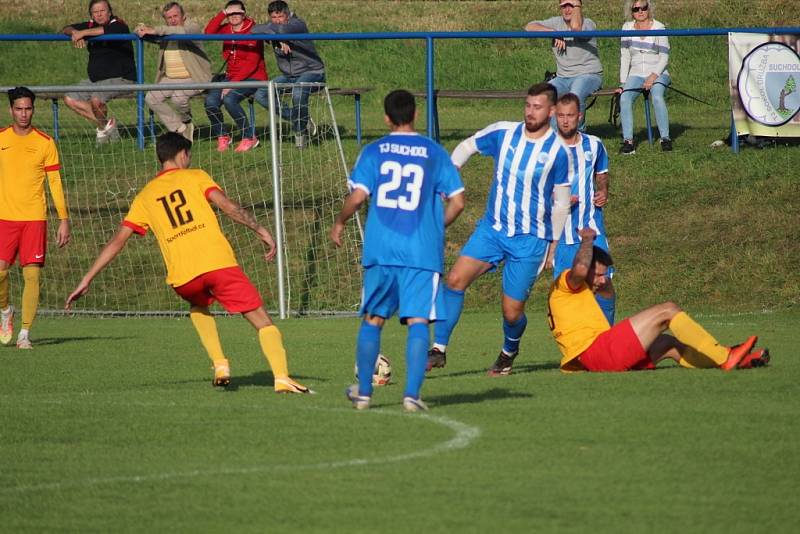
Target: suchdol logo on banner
x=768 y=84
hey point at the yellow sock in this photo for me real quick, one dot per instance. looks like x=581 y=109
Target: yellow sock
x=690 y=333
x=206 y=328
x=30 y=294
x=691 y=359
x=272 y=347
x=3 y=289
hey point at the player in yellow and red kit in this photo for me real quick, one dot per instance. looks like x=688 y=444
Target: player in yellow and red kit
x=201 y=265
x=589 y=343
x=27 y=157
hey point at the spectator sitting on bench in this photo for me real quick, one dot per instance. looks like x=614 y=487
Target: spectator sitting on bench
x=178 y=62
x=579 y=70
x=299 y=62
x=244 y=61
x=643 y=66
x=110 y=63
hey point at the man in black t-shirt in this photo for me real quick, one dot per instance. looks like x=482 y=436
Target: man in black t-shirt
x=110 y=63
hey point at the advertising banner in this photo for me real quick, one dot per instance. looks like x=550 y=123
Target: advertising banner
x=764 y=76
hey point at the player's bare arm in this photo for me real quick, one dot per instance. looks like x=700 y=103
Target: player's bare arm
x=464 y=151
x=601 y=190
x=240 y=215
x=583 y=259
x=455 y=205
x=63 y=234
x=351 y=205
x=106 y=256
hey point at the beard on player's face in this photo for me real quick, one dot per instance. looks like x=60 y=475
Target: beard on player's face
x=532 y=124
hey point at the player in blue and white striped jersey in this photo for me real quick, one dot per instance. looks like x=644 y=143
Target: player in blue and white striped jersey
x=531 y=169
x=405 y=176
x=589 y=194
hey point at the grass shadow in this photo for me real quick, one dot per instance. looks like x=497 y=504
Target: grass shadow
x=61 y=340
x=492 y=394
x=518 y=369
x=265 y=379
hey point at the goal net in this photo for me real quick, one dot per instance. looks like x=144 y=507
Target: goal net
x=101 y=180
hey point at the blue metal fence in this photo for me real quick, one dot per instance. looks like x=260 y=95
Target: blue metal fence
x=428 y=37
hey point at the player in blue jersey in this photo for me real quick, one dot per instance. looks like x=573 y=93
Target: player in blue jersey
x=405 y=176
x=528 y=199
x=588 y=196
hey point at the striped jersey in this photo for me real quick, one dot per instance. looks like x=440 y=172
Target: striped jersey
x=588 y=158
x=525 y=172
x=405 y=175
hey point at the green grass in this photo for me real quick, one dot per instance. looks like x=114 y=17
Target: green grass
x=112 y=425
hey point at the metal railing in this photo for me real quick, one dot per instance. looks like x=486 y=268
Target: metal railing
x=428 y=37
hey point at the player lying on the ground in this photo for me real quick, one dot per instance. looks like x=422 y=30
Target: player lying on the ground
x=405 y=175
x=175 y=205
x=588 y=343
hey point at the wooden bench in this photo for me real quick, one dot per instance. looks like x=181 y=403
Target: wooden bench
x=355 y=92
x=516 y=95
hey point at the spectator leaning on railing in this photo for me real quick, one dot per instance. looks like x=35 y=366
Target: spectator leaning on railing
x=110 y=63
x=178 y=62
x=244 y=61
x=299 y=62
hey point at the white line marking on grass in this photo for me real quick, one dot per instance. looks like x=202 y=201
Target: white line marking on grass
x=463 y=436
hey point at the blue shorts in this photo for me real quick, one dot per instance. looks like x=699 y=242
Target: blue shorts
x=414 y=292
x=565 y=255
x=523 y=254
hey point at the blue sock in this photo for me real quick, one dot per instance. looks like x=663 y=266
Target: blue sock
x=454 y=303
x=368 y=346
x=608 y=306
x=416 y=358
x=513 y=333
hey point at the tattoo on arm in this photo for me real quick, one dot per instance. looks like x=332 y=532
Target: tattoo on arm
x=602 y=182
x=242 y=216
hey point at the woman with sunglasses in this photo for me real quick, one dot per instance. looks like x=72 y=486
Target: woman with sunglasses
x=643 y=66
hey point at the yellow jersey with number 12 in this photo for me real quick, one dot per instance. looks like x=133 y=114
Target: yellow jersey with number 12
x=174 y=205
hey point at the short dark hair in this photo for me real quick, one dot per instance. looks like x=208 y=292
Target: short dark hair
x=601 y=256
x=543 y=88
x=399 y=106
x=20 y=92
x=569 y=98
x=168 y=146
x=170 y=5
x=278 y=6
x=236 y=3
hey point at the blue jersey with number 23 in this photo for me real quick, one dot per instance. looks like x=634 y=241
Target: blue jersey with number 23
x=405 y=175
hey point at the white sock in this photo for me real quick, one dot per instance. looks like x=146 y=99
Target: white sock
x=440 y=347
x=23 y=334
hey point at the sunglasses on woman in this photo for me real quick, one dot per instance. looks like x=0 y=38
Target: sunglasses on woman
x=642 y=8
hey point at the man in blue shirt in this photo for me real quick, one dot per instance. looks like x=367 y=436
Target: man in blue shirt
x=531 y=170
x=589 y=194
x=405 y=176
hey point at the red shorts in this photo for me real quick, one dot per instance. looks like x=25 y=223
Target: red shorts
x=229 y=286
x=26 y=238
x=615 y=350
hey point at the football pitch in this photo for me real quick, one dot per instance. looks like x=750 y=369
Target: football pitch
x=112 y=425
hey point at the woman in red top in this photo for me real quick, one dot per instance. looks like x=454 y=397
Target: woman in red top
x=244 y=61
